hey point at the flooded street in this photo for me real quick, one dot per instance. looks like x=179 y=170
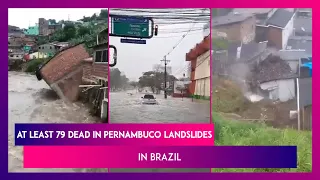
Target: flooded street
x=126 y=108
x=32 y=101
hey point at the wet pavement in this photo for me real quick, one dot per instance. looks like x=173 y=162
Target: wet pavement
x=32 y=101
x=127 y=108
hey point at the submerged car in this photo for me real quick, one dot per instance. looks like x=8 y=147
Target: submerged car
x=148 y=99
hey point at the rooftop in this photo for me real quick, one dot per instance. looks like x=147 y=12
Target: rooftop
x=303 y=26
x=229 y=19
x=252 y=10
x=300 y=43
x=280 y=18
x=248 y=51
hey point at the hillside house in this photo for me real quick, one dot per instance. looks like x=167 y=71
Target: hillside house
x=237 y=27
x=63 y=72
x=238 y=60
x=274 y=79
x=277 y=29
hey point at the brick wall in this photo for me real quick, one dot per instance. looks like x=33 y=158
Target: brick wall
x=87 y=69
x=100 y=70
x=275 y=37
x=64 y=63
x=69 y=85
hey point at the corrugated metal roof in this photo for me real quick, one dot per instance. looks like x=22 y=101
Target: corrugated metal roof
x=280 y=18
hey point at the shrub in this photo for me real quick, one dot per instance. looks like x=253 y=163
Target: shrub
x=236 y=133
x=32 y=65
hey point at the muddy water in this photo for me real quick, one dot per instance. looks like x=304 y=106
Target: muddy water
x=32 y=101
x=126 y=107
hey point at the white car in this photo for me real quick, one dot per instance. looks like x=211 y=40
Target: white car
x=148 y=99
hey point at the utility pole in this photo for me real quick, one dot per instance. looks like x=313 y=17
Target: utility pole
x=165 y=75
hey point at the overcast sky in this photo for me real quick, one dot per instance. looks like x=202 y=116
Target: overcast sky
x=133 y=59
x=23 y=17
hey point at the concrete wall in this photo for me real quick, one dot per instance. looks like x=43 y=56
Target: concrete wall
x=38 y=55
x=282 y=90
x=15 y=56
x=202 y=69
x=239 y=31
x=202 y=75
x=275 y=37
x=287 y=32
x=203 y=87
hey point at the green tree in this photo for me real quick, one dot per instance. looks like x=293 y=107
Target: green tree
x=69 y=31
x=58 y=36
x=104 y=14
x=134 y=84
x=82 y=31
x=93 y=17
x=154 y=80
x=115 y=78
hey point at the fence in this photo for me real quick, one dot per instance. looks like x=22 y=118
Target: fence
x=306 y=118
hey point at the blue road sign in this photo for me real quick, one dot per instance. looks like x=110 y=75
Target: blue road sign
x=133 y=41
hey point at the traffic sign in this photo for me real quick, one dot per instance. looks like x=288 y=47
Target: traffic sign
x=133 y=41
x=131 y=26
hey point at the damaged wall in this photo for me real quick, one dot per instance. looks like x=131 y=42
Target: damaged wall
x=63 y=73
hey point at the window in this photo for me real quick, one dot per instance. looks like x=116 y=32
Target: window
x=40 y=47
x=101 y=56
x=50 y=47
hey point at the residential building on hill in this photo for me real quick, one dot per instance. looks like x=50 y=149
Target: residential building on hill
x=237 y=27
x=32 y=30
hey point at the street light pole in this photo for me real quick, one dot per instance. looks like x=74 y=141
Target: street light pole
x=165 y=75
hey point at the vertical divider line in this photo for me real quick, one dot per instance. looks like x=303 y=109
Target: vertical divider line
x=108 y=89
x=211 y=69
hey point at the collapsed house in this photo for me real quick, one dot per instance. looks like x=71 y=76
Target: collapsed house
x=273 y=78
x=63 y=72
x=73 y=70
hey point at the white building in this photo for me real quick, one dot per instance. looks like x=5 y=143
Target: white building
x=283 y=89
x=202 y=75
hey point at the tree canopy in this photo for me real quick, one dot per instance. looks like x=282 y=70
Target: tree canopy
x=154 y=80
x=117 y=79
